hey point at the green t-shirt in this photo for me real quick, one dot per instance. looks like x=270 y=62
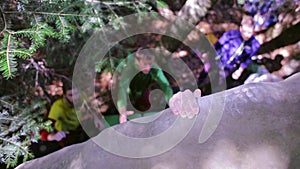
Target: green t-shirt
x=65 y=117
x=140 y=83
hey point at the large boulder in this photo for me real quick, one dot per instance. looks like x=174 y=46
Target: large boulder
x=256 y=126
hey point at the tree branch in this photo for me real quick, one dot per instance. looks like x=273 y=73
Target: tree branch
x=45 y=13
x=111 y=3
x=5 y=118
x=192 y=12
x=10 y=142
x=7 y=55
x=37 y=71
x=4 y=21
x=287 y=37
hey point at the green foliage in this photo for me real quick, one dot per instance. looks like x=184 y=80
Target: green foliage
x=162 y=4
x=37 y=21
x=108 y=64
x=20 y=125
x=39 y=41
x=7 y=61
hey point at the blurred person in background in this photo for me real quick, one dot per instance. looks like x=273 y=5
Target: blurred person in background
x=139 y=89
x=65 y=123
x=235 y=49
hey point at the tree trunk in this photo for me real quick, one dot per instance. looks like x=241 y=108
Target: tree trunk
x=287 y=37
x=191 y=13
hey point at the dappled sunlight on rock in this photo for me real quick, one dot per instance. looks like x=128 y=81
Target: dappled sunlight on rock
x=264 y=156
x=228 y=155
x=164 y=166
x=224 y=155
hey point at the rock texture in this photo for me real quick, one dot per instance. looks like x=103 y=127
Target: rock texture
x=259 y=128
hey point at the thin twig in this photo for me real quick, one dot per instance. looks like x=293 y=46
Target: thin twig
x=36 y=21
x=98 y=18
x=36 y=66
x=18 y=51
x=112 y=3
x=45 y=13
x=36 y=79
x=7 y=54
x=63 y=25
x=18 y=32
x=9 y=119
x=59 y=75
x=4 y=21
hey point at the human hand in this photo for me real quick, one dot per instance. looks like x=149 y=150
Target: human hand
x=185 y=103
x=98 y=123
x=236 y=74
x=57 y=136
x=86 y=117
x=123 y=115
x=122 y=118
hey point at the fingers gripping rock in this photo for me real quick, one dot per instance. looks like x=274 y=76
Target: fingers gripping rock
x=185 y=103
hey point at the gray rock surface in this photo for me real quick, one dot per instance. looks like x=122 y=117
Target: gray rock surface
x=259 y=128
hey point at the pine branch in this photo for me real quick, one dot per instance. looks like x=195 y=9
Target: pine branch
x=22 y=53
x=20 y=147
x=26 y=30
x=48 y=13
x=7 y=57
x=22 y=32
x=9 y=119
x=16 y=51
x=115 y=3
x=16 y=134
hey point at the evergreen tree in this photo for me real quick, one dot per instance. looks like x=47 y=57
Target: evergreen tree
x=39 y=43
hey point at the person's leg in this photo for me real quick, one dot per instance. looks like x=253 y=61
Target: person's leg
x=74 y=137
x=143 y=103
x=42 y=148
